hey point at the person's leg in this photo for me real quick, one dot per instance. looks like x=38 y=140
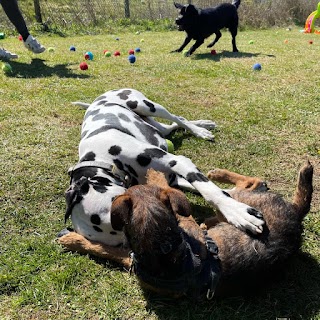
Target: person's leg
x=14 y=14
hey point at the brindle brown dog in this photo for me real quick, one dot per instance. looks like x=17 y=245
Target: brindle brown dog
x=174 y=256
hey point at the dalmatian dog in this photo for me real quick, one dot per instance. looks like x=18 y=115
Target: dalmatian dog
x=120 y=141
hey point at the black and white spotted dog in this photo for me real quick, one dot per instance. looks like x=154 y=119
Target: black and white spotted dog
x=120 y=141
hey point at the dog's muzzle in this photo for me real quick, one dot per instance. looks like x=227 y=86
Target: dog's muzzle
x=200 y=275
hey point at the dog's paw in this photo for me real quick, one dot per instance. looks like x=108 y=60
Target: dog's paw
x=243 y=216
x=63 y=232
x=203 y=133
x=207 y=124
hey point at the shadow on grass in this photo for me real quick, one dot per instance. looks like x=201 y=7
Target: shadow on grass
x=296 y=296
x=228 y=54
x=38 y=69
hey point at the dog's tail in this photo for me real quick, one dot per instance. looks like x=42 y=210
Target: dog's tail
x=236 y=3
x=81 y=104
x=303 y=194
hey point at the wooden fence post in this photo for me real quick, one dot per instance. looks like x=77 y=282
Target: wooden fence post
x=127 y=8
x=37 y=11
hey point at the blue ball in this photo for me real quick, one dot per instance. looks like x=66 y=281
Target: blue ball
x=257 y=66
x=72 y=48
x=132 y=58
x=137 y=50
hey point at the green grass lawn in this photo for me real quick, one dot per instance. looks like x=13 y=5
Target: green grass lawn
x=268 y=124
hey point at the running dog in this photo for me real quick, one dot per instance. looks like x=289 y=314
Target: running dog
x=172 y=255
x=120 y=141
x=200 y=24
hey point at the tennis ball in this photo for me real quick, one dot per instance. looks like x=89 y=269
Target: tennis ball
x=6 y=68
x=170 y=146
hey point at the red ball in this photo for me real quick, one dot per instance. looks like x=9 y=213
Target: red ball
x=117 y=53
x=104 y=51
x=20 y=37
x=87 y=57
x=310 y=42
x=83 y=66
x=131 y=51
x=213 y=52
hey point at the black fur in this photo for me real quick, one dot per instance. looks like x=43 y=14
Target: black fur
x=199 y=24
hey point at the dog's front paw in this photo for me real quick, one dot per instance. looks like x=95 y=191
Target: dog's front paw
x=243 y=216
x=203 y=133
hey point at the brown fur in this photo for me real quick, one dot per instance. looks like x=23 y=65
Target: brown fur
x=153 y=216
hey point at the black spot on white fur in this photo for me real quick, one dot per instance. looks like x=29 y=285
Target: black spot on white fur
x=172 y=163
x=145 y=158
x=148 y=132
x=124 y=95
x=97 y=229
x=95 y=219
x=89 y=156
x=115 y=150
x=118 y=164
x=226 y=193
x=150 y=105
x=132 y=104
x=196 y=176
x=124 y=117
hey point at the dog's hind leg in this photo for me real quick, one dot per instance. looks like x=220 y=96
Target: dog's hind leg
x=166 y=129
x=75 y=242
x=234 y=32
x=241 y=182
x=303 y=194
x=218 y=36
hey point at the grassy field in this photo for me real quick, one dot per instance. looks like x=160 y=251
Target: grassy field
x=268 y=124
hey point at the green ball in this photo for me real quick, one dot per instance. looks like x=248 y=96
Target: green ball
x=6 y=68
x=170 y=146
x=251 y=42
x=107 y=54
x=184 y=52
x=50 y=49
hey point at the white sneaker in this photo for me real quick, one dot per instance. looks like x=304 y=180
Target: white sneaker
x=7 y=55
x=33 y=45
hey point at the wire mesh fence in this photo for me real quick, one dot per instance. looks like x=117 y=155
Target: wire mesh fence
x=68 y=13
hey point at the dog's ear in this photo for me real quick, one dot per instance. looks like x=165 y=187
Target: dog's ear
x=121 y=210
x=192 y=10
x=72 y=197
x=177 y=201
x=178 y=5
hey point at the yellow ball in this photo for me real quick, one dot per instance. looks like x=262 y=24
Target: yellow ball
x=170 y=146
